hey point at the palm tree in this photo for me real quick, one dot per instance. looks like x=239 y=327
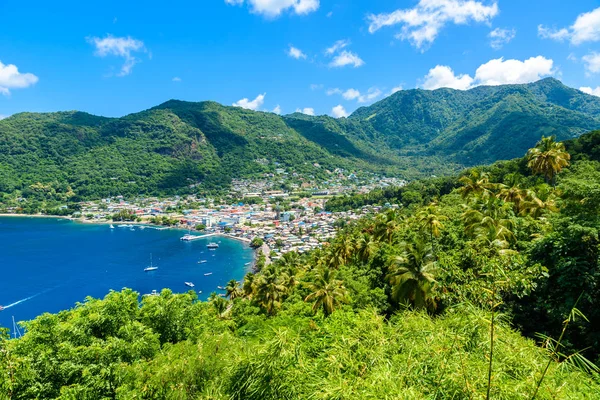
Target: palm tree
x=327 y=292
x=219 y=303
x=476 y=183
x=487 y=221
x=430 y=220
x=365 y=246
x=248 y=286
x=269 y=290
x=411 y=275
x=514 y=195
x=548 y=158
x=341 y=251
x=537 y=203
x=387 y=226
x=233 y=290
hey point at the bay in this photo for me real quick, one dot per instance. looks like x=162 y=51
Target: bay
x=49 y=264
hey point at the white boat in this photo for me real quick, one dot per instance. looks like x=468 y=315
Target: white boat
x=112 y=226
x=208 y=274
x=202 y=262
x=150 y=267
x=188 y=238
x=212 y=246
x=248 y=263
x=153 y=293
x=123 y=226
x=1 y=308
x=220 y=288
x=190 y=284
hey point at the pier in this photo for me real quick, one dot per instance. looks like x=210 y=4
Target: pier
x=189 y=238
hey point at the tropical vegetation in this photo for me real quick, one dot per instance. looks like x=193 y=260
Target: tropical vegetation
x=486 y=285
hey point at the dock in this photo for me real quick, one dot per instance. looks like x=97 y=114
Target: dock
x=189 y=238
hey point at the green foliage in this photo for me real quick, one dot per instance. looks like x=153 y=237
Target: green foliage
x=181 y=147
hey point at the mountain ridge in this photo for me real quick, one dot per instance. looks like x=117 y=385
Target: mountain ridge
x=178 y=145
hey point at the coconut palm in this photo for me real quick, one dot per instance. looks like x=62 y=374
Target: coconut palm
x=327 y=292
x=219 y=303
x=476 y=183
x=537 y=204
x=269 y=290
x=548 y=158
x=411 y=275
x=430 y=220
x=514 y=195
x=386 y=226
x=365 y=246
x=341 y=251
x=248 y=285
x=233 y=289
x=488 y=222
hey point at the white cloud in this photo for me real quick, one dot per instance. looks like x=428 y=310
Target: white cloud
x=118 y=46
x=499 y=37
x=558 y=35
x=351 y=94
x=11 y=78
x=251 y=104
x=3 y=116
x=346 y=58
x=296 y=53
x=501 y=72
x=421 y=24
x=591 y=61
x=339 y=45
x=277 y=109
x=333 y=91
x=589 y=90
x=176 y=79
x=396 y=89
x=339 y=111
x=585 y=29
x=329 y=14
x=443 y=76
x=494 y=72
x=371 y=95
x=316 y=86
x=274 y=8
x=307 y=110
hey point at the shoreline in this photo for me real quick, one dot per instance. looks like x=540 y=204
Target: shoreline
x=108 y=222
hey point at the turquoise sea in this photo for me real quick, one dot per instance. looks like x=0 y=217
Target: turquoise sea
x=48 y=264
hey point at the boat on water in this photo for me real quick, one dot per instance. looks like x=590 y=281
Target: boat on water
x=208 y=274
x=202 y=262
x=212 y=245
x=153 y=293
x=220 y=288
x=248 y=263
x=151 y=267
x=112 y=226
x=1 y=308
x=188 y=238
x=190 y=284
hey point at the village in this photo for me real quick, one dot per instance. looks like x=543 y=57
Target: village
x=277 y=221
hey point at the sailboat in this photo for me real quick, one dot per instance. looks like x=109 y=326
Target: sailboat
x=112 y=226
x=151 y=267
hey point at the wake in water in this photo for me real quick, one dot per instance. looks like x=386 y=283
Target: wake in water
x=28 y=298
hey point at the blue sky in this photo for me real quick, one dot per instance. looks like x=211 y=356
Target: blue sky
x=114 y=57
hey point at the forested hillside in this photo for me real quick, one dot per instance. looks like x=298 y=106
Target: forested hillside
x=184 y=147
x=431 y=299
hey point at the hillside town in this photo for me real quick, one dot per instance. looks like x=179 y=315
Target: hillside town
x=281 y=220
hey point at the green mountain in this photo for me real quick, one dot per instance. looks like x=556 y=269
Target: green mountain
x=481 y=125
x=176 y=146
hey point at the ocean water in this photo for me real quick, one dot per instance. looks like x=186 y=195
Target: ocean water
x=47 y=264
